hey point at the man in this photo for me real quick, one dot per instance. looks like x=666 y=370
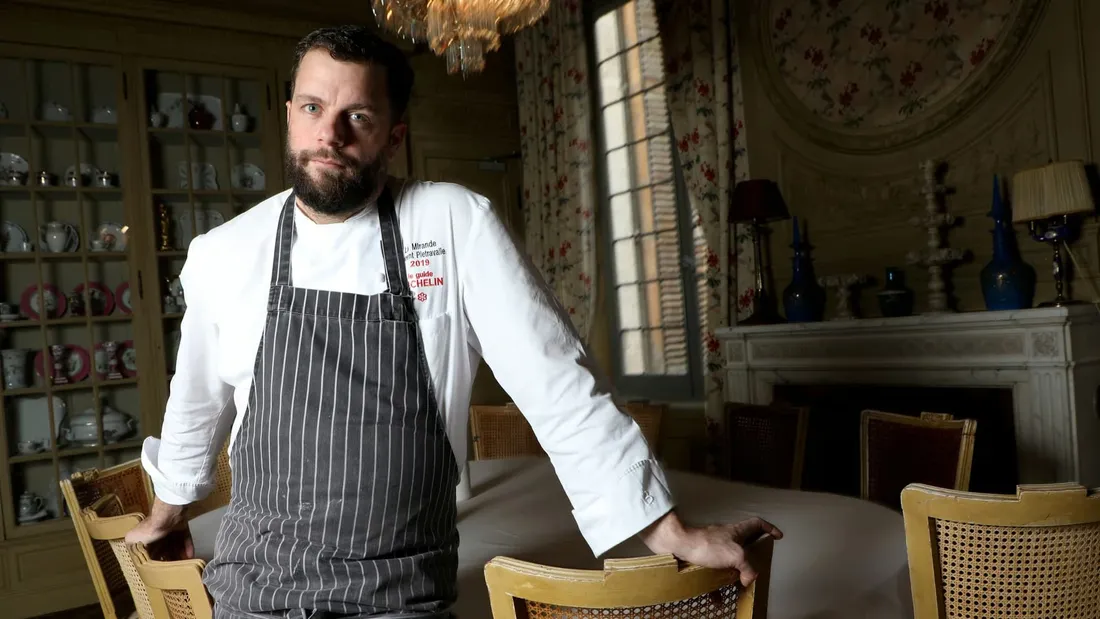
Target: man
x=333 y=332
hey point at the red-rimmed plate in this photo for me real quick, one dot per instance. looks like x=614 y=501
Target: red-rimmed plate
x=102 y=300
x=55 y=302
x=122 y=297
x=127 y=359
x=75 y=361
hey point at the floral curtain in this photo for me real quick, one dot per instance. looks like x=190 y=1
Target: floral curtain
x=706 y=106
x=558 y=183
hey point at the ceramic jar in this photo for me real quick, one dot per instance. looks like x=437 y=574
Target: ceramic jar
x=57 y=236
x=239 y=120
x=15 y=368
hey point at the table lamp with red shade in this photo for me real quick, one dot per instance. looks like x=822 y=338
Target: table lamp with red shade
x=756 y=202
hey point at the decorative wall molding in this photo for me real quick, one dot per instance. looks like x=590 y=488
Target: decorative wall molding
x=846 y=199
x=1049 y=358
x=1023 y=25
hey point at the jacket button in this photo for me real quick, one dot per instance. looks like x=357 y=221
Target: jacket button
x=648 y=497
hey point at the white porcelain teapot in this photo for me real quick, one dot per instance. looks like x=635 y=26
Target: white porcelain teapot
x=31 y=506
x=83 y=427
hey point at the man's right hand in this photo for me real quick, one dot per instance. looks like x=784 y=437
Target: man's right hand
x=164 y=533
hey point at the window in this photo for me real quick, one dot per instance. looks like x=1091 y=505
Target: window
x=649 y=262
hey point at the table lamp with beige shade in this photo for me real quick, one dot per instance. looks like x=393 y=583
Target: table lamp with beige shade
x=1050 y=199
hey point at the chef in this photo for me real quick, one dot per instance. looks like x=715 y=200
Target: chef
x=332 y=334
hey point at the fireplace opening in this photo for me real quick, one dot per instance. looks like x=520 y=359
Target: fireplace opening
x=832 y=441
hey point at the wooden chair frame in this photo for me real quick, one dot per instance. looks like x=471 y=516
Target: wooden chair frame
x=223 y=487
x=801 y=432
x=968 y=427
x=623 y=583
x=161 y=576
x=1034 y=505
x=650 y=418
x=69 y=493
x=477 y=430
x=111 y=529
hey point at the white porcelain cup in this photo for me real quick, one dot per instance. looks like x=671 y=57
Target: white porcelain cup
x=31 y=446
x=463 y=490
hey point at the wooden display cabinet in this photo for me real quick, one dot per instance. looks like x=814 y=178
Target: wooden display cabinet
x=113 y=178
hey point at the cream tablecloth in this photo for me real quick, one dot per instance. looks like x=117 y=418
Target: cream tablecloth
x=840 y=557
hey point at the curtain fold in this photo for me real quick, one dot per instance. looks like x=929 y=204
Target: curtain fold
x=555 y=143
x=706 y=107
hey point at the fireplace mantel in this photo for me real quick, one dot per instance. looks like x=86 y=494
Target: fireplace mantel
x=1049 y=357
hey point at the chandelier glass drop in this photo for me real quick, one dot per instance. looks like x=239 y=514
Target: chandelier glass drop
x=461 y=30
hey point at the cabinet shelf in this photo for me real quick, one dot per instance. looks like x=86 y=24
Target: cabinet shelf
x=46 y=456
x=86 y=385
x=55 y=191
x=76 y=256
x=72 y=320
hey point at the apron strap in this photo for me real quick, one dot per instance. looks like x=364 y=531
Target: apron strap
x=392 y=247
x=284 y=240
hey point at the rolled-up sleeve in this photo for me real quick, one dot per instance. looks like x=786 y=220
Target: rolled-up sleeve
x=199 y=414
x=613 y=480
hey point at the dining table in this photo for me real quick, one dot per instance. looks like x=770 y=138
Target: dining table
x=839 y=556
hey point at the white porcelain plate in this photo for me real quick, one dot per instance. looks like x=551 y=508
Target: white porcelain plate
x=10 y=162
x=12 y=237
x=114 y=239
x=247 y=176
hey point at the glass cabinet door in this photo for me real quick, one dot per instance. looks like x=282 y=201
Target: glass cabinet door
x=70 y=393
x=211 y=149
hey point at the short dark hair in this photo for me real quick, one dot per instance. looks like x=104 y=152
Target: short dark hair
x=360 y=44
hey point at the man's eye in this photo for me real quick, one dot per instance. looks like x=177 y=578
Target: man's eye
x=312 y=108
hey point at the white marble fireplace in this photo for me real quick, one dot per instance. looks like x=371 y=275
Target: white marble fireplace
x=1049 y=358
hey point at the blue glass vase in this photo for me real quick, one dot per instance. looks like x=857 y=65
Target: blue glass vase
x=1008 y=283
x=803 y=298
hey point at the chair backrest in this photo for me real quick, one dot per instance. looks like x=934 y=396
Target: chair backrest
x=898 y=450
x=648 y=416
x=128 y=482
x=1035 y=554
x=502 y=432
x=766 y=445
x=105 y=520
x=176 y=590
x=640 y=588
x=223 y=489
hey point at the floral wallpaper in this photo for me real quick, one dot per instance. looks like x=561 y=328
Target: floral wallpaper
x=873 y=63
x=558 y=184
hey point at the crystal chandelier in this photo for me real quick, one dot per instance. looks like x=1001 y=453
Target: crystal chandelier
x=461 y=30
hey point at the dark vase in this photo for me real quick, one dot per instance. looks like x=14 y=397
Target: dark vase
x=803 y=298
x=199 y=118
x=1008 y=283
x=895 y=299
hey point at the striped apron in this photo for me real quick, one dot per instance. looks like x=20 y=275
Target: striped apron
x=343 y=477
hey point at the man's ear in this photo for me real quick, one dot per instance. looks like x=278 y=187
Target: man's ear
x=397 y=135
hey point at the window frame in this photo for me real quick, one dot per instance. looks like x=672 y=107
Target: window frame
x=659 y=387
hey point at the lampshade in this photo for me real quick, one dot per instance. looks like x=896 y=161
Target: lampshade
x=757 y=199
x=1059 y=188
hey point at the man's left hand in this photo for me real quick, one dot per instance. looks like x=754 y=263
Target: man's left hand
x=717 y=546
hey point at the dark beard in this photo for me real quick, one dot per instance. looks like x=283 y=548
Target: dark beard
x=334 y=193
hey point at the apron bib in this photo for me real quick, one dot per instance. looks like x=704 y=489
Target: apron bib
x=343 y=476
